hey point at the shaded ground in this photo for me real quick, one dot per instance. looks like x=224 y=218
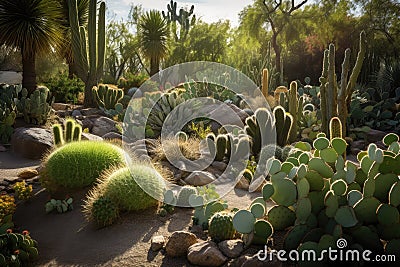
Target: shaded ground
x=68 y=240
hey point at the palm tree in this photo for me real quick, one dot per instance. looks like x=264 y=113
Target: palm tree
x=65 y=47
x=32 y=27
x=154 y=33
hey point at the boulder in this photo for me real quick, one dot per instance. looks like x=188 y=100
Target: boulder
x=206 y=254
x=31 y=143
x=60 y=106
x=76 y=113
x=91 y=137
x=112 y=136
x=179 y=242
x=2 y=149
x=199 y=178
x=231 y=248
x=373 y=136
x=91 y=111
x=103 y=125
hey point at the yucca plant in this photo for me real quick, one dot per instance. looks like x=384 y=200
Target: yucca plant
x=33 y=27
x=153 y=34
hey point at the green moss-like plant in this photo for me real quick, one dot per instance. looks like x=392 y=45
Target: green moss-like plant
x=79 y=164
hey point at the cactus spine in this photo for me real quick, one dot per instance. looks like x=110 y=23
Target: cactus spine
x=335 y=100
x=265 y=82
x=89 y=65
x=293 y=109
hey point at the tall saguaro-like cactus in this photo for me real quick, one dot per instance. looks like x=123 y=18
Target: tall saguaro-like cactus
x=335 y=98
x=88 y=53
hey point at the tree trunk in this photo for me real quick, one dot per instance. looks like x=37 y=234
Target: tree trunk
x=28 y=71
x=71 y=69
x=89 y=100
x=277 y=51
x=154 y=66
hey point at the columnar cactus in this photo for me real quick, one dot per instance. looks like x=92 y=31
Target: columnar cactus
x=293 y=109
x=335 y=128
x=265 y=82
x=89 y=65
x=335 y=99
x=73 y=132
x=221 y=227
x=283 y=125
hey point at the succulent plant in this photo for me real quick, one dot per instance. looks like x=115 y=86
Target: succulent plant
x=283 y=125
x=107 y=97
x=184 y=194
x=8 y=110
x=221 y=227
x=18 y=249
x=104 y=211
x=61 y=206
x=37 y=108
x=72 y=132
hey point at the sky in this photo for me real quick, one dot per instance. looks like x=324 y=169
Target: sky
x=207 y=10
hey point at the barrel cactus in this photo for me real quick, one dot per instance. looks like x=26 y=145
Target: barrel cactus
x=221 y=226
x=79 y=164
x=103 y=211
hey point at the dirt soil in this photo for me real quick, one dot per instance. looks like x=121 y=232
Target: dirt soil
x=68 y=240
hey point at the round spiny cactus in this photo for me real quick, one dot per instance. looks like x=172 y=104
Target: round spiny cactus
x=104 y=211
x=221 y=227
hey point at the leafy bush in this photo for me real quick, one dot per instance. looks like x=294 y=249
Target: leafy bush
x=79 y=164
x=131 y=80
x=64 y=89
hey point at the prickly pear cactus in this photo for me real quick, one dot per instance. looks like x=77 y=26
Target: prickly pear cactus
x=184 y=194
x=221 y=227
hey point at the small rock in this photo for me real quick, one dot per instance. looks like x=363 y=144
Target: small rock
x=137 y=94
x=179 y=242
x=2 y=188
x=4 y=183
x=76 y=113
x=360 y=145
x=219 y=165
x=91 y=137
x=243 y=184
x=103 y=125
x=206 y=254
x=2 y=149
x=200 y=178
x=28 y=173
x=157 y=242
x=112 y=136
x=31 y=143
x=254 y=261
x=60 y=106
x=231 y=248
x=373 y=136
x=32 y=180
x=13 y=180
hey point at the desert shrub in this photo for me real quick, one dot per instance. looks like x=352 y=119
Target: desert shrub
x=79 y=164
x=64 y=89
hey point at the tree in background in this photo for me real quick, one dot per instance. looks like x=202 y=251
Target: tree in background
x=33 y=27
x=153 y=38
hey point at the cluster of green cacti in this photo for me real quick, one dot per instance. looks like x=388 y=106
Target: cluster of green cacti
x=157 y=107
x=135 y=188
x=8 y=110
x=108 y=98
x=221 y=226
x=276 y=151
x=184 y=194
x=323 y=197
x=17 y=249
x=36 y=109
x=374 y=110
x=104 y=211
x=182 y=17
x=61 y=206
x=336 y=98
x=78 y=164
x=228 y=146
x=251 y=223
x=72 y=132
x=88 y=47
